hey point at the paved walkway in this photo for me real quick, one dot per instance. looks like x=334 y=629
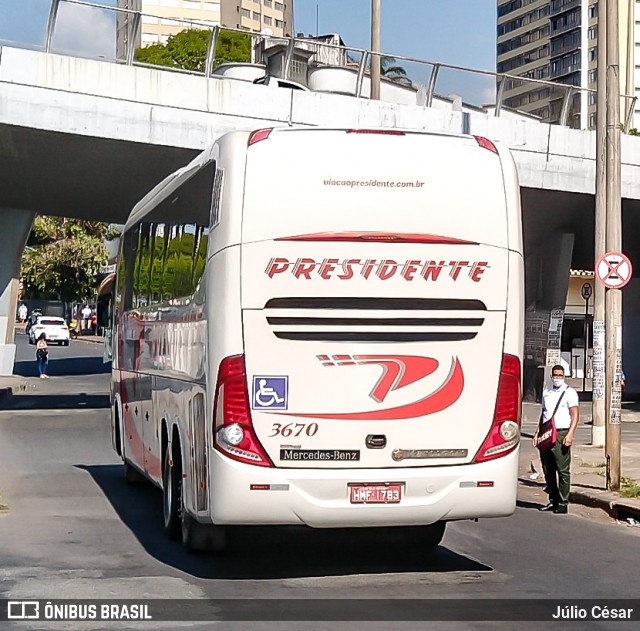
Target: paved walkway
x=588 y=483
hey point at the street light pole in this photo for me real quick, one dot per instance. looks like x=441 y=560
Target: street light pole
x=598 y=376
x=613 y=303
x=375 y=49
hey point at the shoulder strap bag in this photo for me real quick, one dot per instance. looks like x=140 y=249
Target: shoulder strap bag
x=547 y=432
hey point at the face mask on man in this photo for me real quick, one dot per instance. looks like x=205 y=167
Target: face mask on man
x=557 y=381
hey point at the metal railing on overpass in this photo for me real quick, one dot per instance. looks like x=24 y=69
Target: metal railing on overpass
x=547 y=101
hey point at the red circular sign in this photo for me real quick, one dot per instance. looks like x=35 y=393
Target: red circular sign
x=614 y=270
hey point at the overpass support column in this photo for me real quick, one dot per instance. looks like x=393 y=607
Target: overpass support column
x=15 y=226
x=548 y=269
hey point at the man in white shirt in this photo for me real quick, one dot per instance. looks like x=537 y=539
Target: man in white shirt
x=86 y=316
x=561 y=402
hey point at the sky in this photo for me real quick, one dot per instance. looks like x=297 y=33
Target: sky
x=457 y=32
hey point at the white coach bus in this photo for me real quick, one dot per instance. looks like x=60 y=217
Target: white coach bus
x=323 y=327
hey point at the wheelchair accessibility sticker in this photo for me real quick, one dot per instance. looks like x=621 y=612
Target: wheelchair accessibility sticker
x=270 y=393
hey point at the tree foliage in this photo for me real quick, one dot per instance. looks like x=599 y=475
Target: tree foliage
x=188 y=50
x=62 y=258
x=392 y=70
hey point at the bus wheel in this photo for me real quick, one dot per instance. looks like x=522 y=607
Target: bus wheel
x=433 y=534
x=131 y=475
x=171 y=497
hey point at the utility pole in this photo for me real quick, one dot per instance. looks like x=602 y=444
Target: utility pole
x=375 y=49
x=613 y=302
x=598 y=378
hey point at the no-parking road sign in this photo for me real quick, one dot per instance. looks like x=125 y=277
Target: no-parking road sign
x=614 y=270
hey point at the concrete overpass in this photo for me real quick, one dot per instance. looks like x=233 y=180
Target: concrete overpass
x=86 y=139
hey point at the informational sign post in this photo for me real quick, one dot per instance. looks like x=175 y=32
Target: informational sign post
x=587 y=291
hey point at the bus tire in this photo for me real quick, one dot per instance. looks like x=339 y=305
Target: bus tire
x=433 y=535
x=195 y=536
x=131 y=475
x=171 y=497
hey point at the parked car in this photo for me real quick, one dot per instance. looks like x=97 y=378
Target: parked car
x=55 y=330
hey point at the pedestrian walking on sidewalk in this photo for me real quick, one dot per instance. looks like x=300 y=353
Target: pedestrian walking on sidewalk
x=561 y=403
x=42 y=356
x=22 y=313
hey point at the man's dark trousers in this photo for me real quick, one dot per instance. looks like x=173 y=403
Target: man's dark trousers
x=556 y=464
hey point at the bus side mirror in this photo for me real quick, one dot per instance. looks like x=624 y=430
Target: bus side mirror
x=103 y=313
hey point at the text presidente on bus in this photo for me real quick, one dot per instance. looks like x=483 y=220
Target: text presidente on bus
x=384 y=269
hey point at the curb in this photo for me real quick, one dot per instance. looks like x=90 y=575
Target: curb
x=99 y=340
x=7 y=391
x=614 y=506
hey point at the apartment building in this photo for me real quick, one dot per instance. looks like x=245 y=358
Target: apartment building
x=162 y=17
x=557 y=40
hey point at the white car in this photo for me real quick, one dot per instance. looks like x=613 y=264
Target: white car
x=55 y=330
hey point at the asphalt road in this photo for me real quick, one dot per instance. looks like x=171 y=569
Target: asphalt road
x=74 y=529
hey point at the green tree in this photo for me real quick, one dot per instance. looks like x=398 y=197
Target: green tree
x=188 y=50
x=391 y=70
x=62 y=258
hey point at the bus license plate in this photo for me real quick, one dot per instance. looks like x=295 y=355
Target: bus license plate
x=375 y=493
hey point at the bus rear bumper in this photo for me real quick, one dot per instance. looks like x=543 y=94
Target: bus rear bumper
x=243 y=494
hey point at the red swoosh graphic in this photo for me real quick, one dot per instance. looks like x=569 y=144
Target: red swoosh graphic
x=441 y=399
x=398 y=371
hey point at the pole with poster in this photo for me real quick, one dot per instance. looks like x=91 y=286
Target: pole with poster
x=587 y=290
x=614 y=271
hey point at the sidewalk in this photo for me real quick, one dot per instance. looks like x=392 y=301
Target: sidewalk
x=11 y=384
x=97 y=339
x=588 y=484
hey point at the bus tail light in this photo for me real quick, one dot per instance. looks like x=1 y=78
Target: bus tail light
x=259 y=135
x=504 y=434
x=485 y=143
x=381 y=132
x=233 y=431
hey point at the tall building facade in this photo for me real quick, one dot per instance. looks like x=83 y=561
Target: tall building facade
x=557 y=40
x=159 y=20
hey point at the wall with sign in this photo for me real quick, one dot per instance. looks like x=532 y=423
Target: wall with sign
x=535 y=337
x=575 y=301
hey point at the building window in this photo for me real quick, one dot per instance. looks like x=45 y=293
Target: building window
x=256 y=16
x=279 y=24
x=268 y=20
x=593 y=97
x=592 y=33
x=593 y=76
x=523 y=59
x=279 y=6
x=268 y=3
x=593 y=53
x=246 y=13
x=593 y=10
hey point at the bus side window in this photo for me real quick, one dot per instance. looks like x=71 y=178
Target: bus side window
x=124 y=299
x=142 y=272
x=216 y=198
